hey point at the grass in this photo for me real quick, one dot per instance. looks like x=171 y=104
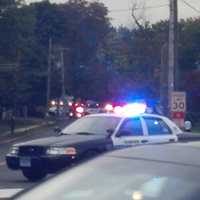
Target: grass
x=19 y=123
x=196 y=130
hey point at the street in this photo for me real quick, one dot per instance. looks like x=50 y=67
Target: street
x=13 y=181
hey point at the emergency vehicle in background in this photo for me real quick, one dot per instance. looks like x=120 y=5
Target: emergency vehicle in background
x=79 y=108
x=93 y=107
x=57 y=108
x=73 y=109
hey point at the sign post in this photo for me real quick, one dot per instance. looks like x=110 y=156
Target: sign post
x=178 y=108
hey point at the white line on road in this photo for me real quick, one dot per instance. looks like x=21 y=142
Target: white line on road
x=8 y=193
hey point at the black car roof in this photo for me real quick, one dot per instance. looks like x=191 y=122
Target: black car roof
x=177 y=153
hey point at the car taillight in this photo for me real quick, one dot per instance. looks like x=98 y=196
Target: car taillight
x=78 y=115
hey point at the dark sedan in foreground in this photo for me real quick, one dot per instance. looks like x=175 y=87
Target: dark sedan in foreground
x=153 y=172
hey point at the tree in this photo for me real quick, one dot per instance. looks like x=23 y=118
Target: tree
x=100 y=62
x=86 y=26
x=76 y=25
x=5 y=5
x=14 y=42
x=189 y=40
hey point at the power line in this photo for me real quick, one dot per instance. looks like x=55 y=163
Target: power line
x=191 y=6
x=149 y=7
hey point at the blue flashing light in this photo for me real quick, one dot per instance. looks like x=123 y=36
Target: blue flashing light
x=134 y=109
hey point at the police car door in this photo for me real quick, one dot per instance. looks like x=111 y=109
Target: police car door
x=158 y=131
x=130 y=133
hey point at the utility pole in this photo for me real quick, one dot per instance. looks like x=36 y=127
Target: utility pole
x=49 y=74
x=172 y=55
x=62 y=50
x=164 y=78
x=62 y=71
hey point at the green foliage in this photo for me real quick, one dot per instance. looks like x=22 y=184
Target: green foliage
x=100 y=60
x=135 y=55
x=78 y=26
x=189 y=44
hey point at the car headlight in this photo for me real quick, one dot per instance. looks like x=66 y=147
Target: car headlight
x=14 y=150
x=71 y=151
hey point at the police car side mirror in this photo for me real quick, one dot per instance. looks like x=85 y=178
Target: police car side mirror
x=188 y=126
x=110 y=132
x=57 y=129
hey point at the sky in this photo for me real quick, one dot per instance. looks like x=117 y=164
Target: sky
x=120 y=13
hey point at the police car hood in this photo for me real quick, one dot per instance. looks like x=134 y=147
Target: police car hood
x=63 y=140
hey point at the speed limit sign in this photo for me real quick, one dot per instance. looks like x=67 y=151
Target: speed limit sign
x=178 y=103
x=178 y=107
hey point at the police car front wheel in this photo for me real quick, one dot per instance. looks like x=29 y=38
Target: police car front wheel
x=34 y=174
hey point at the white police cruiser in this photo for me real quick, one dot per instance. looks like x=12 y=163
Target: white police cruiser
x=90 y=135
x=127 y=131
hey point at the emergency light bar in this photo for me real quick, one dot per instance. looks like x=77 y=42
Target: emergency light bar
x=134 y=109
x=118 y=110
x=130 y=110
x=109 y=107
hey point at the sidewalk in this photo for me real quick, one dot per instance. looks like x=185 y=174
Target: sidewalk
x=22 y=125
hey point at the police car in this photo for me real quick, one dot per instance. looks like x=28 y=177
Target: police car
x=90 y=135
x=129 y=131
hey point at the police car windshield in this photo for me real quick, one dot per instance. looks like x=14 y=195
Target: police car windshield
x=92 y=125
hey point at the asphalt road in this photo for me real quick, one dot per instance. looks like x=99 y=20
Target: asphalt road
x=13 y=181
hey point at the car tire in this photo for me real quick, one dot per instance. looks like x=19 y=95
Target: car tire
x=34 y=175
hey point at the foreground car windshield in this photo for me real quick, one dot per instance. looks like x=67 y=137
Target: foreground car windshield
x=93 y=125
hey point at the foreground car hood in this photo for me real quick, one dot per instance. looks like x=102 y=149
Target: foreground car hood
x=62 y=140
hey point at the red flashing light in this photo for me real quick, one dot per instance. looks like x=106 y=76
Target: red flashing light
x=79 y=109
